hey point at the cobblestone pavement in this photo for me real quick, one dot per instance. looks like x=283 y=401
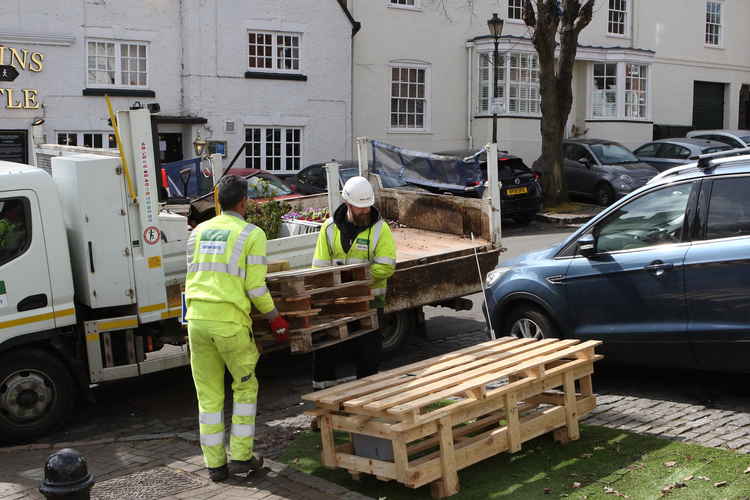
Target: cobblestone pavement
x=700 y=409
x=144 y=468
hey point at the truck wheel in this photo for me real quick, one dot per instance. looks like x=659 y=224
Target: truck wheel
x=394 y=328
x=36 y=394
x=527 y=321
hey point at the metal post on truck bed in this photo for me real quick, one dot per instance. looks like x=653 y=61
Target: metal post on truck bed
x=493 y=177
x=332 y=178
x=364 y=166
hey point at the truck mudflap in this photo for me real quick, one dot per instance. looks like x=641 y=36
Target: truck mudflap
x=439 y=281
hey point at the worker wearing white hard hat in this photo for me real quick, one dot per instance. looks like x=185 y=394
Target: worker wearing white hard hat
x=356 y=234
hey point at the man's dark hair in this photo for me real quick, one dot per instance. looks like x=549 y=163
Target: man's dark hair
x=232 y=189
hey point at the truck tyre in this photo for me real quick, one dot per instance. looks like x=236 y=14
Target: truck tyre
x=36 y=394
x=396 y=326
x=528 y=321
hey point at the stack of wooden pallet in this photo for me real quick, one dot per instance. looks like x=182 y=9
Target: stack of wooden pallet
x=323 y=306
x=421 y=423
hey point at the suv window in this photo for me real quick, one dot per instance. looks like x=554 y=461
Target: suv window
x=729 y=208
x=673 y=151
x=653 y=219
x=15 y=228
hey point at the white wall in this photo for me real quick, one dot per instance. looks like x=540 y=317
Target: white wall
x=197 y=58
x=672 y=29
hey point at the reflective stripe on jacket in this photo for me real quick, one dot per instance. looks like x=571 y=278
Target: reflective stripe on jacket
x=374 y=245
x=226 y=260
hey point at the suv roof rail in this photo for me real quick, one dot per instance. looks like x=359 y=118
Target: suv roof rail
x=704 y=161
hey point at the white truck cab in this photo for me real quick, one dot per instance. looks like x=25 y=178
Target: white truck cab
x=90 y=278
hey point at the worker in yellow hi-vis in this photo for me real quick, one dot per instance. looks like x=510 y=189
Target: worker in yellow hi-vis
x=226 y=259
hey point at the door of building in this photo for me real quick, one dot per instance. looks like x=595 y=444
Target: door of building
x=14 y=146
x=708 y=105
x=170 y=147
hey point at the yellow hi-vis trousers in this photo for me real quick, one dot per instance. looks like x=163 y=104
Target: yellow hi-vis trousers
x=214 y=345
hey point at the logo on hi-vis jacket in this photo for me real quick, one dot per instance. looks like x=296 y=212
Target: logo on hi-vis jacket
x=214 y=241
x=362 y=243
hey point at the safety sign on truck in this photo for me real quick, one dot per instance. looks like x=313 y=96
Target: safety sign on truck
x=152 y=235
x=3 y=295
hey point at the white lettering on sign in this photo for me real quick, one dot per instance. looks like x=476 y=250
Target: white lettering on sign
x=213 y=247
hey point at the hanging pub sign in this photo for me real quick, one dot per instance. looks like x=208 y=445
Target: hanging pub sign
x=13 y=62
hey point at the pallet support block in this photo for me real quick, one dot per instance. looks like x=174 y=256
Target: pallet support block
x=534 y=393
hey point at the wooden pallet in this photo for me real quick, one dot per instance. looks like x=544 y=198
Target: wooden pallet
x=323 y=306
x=421 y=423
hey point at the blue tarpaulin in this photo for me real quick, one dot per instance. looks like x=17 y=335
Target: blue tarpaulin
x=404 y=167
x=198 y=184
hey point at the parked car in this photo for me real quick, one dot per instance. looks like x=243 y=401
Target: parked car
x=312 y=178
x=601 y=170
x=661 y=276
x=261 y=186
x=521 y=194
x=735 y=138
x=667 y=153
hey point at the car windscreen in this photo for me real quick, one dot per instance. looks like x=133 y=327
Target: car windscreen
x=266 y=186
x=746 y=139
x=612 y=154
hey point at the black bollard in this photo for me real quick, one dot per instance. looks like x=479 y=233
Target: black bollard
x=66 y=476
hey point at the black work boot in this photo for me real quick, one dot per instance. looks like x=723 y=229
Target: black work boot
x=218 y=474
x=244 y=466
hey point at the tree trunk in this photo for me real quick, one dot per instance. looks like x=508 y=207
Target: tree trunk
x=550 y=18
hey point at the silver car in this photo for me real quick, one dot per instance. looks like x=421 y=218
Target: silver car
x=735 y=138
x=667 y=153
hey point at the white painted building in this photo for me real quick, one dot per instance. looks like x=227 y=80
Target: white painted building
x=423 y=72
x=276 y=75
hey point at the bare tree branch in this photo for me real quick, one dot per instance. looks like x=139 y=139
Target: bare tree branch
x=584 y=16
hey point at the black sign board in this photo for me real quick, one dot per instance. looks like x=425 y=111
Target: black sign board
x=14 y=145
x=8 y=73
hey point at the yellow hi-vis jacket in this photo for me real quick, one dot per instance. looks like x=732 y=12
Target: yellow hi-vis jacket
x=374 y=245
x=226 y=259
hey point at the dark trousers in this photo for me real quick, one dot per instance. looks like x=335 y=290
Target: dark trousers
x=364 y=351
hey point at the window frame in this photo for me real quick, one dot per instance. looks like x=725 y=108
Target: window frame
x=720 y=24
x=263 y=157
x=427 y=111
x=626 y=23
x=605 y=91
x=621 y=91
x=505 y=83
x=517 y=20
x=28 y=218
x=274 y=51
x=118 y=43
x=392 y=4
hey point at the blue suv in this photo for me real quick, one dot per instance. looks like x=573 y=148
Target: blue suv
x=662 y=276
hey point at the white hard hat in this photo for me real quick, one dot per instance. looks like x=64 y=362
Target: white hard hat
x=358 y=192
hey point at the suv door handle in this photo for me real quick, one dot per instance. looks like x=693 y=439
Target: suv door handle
x=658 y=267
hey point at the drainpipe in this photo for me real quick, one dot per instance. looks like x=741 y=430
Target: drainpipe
x=470 y=54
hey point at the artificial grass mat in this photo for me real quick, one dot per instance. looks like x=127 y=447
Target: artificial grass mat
x=604 y=463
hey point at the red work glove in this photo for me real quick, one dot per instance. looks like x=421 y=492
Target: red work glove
x=280 y=329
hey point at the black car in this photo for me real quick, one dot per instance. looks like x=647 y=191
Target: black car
x=521 y=194
x=667 y=153
x=601 y=170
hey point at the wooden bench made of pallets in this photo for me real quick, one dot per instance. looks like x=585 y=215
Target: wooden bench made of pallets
x=324 y=306
x=500 y=394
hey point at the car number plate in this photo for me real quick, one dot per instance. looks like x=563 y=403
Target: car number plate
x=515 y=191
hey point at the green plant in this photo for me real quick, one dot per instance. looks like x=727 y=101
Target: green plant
x=267 y=216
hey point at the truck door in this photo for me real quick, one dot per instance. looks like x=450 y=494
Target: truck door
x=25 y=290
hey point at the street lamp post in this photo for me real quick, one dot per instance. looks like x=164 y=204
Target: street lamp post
x=496 y=29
